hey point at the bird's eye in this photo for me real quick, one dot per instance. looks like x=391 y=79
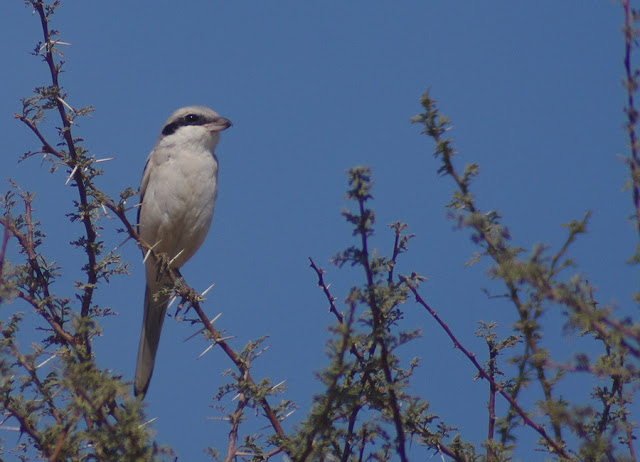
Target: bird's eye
x=191 y=118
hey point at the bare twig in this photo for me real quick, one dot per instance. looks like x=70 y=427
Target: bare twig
x=332 y=306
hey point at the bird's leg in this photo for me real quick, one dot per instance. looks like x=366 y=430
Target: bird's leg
x=162 y=266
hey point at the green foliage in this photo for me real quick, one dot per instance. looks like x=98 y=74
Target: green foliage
x=366 y=412
x=533 y=284
x=67 y=408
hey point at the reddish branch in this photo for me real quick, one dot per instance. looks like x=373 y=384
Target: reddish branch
x=325 y=288
x=558 y=449
x=384 y=353
x=85 y=189
x=631 y=84
x=193 y=298
x=494 y=248
x=43 y=305
x=78 y=176
x=340 y=317
x=493 y=353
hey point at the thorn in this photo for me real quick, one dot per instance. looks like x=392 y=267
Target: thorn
x=261 y=351
x=288 y=414
x=122 y=243
x=65 y=103
x=148 y=422
x=13 y=429
x=106 y=159
x=191 y=336
x=172 y=301
x=144 y=260
x=205 y=292
x=276 y=386
x=73 y=172
x=205 y=351
x=45 y=361
x=329 y=285
x=174 y=258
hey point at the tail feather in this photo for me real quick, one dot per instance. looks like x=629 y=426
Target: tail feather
x=154 y=312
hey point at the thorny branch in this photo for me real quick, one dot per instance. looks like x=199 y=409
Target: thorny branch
x=78 y=176
x=631 y=85
x=86 y=189
x=558 y=449
x=436 y=126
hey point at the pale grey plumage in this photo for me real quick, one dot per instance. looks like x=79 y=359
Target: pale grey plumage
x=177 y=196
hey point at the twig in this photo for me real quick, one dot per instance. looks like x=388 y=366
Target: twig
x=493 y=353
x=79 y=177
x=631 y=85
x=332 y=306
x=538 y=428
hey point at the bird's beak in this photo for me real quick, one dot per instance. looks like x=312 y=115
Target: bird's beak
x=219 y=124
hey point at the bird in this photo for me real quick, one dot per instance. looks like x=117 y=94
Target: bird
x=177 y=198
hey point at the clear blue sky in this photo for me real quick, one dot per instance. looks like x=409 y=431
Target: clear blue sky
x=313 y=88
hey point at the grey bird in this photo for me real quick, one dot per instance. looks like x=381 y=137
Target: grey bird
x=177 y=197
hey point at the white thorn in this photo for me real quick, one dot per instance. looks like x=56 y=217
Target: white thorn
x=204 y=328
x=144 y=260
x=73 y=172
x=148 y=422
x=205 y=351
x=122 y=243
x=174 y=258
x=65 y=103
x=276 y=386
x=191 y=336
x=288 y=414
x=262 y=351
x=13 y=429
x=139 y=204
x=172 y=301
x=106 y=159
x=208 y=289
x=45 y=362
x=216 y=318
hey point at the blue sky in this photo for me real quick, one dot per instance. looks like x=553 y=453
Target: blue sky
x=313 y=88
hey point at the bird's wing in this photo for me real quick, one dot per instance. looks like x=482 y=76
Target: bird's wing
x=146 y=174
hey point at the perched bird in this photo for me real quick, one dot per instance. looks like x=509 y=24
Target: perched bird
x=177 y=196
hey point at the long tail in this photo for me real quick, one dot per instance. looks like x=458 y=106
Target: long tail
x=151 y=328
